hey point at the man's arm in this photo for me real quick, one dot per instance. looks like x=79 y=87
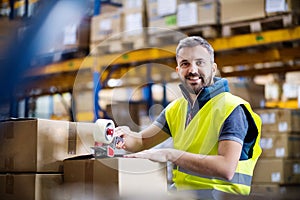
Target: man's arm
x=147 y=138
x=222 y=165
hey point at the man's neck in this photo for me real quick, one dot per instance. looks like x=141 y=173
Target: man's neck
x=194 y=97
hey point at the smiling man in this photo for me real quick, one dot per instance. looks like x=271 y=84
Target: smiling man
x=216 y=134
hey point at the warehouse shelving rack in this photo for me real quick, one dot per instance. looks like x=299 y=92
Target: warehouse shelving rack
x=267 y=46
x=244 y=49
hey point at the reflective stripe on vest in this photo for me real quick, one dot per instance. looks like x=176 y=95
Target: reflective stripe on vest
x=238 y=178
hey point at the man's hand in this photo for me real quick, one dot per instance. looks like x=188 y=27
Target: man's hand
x=157 y=155
x=137 y=141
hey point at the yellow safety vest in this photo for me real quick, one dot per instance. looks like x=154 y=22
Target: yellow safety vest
x=201 y=137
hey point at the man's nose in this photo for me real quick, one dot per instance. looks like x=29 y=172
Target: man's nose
x=193 y=68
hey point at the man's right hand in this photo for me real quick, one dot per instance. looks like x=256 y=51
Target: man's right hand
x=131 y=140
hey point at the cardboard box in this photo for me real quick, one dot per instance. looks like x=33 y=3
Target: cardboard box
x=158 y=20
x=249 y=91
x=76 y=36
x=279 y=120
x=39 y=145
x=106 y=25
x=134 y=22
x=279 y=171
x=280 y=145
x=160 y=24
x=282 y=6
x=133 y=4
x=184 y=20
x=273 y=190
x=166 y=7
x=208 y=12
x=236 y=10
x=127 y=114
x=31 y=186
x=84 y=100
x=112 y=178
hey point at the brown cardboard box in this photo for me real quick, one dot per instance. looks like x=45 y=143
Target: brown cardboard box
x=76 y=36
x=280 y=145
x=112 y=178
x=31 y=186
x=39 y=145
x=184 y=20
x=127 y=114
x=157 y=19
x=236 y=10
x=282 y=6
x=133 y=4
x=84 y=100
x=279 y=120
x=273 y=190
x=249 y=91
x=134 y=22
x=106 y=25
x=208 y=12
x=160 y=24
x=200 y=13
x=279 y=171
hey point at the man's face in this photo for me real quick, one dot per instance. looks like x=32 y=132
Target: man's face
x=195 y=68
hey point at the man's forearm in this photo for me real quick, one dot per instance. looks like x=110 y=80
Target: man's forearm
x=206 y=165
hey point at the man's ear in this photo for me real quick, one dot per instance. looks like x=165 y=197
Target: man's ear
x=214 y=68
x=177 y=68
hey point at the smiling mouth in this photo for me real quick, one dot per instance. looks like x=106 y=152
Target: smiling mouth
x=194 y=78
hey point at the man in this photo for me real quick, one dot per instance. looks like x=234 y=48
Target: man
x=216 y=134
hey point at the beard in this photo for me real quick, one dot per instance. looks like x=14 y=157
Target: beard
x=195 y=82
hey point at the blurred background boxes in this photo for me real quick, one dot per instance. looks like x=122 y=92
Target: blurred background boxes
x=106 y=25
x=279 y=120
x=279 y=171
x=282 y=6
x=161 y=15
x=280 y=145
x=248 y=90
x=200 y=13
x=236 y=10
x=209 y=12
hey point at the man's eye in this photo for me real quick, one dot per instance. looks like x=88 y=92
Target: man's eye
x=199 y=63
x=185 y=64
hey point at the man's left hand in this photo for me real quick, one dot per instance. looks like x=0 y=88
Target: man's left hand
x=156 y=155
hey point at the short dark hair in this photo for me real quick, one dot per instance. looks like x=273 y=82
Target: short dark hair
x=193 y=41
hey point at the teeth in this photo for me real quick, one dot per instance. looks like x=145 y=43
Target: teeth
x=193 y=78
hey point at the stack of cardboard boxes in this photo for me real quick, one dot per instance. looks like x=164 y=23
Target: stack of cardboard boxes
x=51 y=160
x=105 y=30
x=134 y=22
x=251 y=15
x=119 y=29
x=32 y=153
x=161 y=15
x=279 y=164
x=168 y=21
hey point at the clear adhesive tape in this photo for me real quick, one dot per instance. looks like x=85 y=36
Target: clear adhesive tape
x=104 y=131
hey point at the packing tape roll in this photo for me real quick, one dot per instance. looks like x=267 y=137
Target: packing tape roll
x=104 y=131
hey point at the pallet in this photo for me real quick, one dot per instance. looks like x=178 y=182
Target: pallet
x=253 y=26
x=170 y=37
x=111 y=46
x=206 y=31
x=166 y=37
